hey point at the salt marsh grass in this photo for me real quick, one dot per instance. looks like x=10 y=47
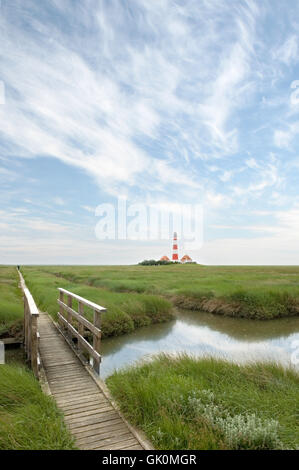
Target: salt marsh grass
x=187 y=403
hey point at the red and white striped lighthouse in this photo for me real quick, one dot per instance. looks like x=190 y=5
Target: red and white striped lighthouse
x=175 y=255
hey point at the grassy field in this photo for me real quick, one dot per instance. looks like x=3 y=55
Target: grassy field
x=187 y=403
x=125 y=311
x=28 y=418
x=11 y=306
x=180 y=403
x=257 y=292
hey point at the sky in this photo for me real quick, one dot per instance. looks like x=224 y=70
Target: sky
x=162 y=103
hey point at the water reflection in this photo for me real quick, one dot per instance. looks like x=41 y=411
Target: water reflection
x=240 y=328
x=200 y=333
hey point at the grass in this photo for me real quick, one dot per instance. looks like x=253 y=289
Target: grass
x=256 y=292
x=188 y=403
x=28 y=418
x=11 y=306
x=125 y=311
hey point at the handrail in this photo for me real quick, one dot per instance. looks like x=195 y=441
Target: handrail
x=31 y=334
x=67 y=314
x=86 y=302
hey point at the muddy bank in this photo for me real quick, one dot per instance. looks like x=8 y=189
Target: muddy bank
x=246 y=306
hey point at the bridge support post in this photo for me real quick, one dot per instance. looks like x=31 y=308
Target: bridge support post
x=96 y=340
x=81 y=329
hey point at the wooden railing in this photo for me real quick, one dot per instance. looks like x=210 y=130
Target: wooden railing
x=31 y=334
x=69 y=318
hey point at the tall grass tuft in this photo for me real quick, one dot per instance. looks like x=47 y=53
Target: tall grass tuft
x=11 y=306
x=28 y=418
x=187 y=403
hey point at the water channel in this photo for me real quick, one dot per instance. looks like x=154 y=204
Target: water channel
x=200 y=333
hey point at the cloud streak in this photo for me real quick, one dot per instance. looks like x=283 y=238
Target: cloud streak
x=163 y=102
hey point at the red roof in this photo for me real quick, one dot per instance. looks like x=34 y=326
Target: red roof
x=164 y=258
x=186 y=258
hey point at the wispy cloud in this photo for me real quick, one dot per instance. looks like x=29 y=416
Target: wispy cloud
x=161 y=102
x=94 y=108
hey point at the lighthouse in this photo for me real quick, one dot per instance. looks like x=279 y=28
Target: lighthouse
x=175 y=256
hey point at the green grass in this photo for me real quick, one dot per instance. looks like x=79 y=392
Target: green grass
x=188 y=403
x=125 y=311
x=257 y=292
x=28 y=418
x=11 y=306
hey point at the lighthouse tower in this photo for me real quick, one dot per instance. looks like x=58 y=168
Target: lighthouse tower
x=175 y=256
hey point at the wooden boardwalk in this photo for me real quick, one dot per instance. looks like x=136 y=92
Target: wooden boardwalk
x=91 y=417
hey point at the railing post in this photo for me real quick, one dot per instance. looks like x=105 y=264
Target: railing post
x=80 y=325
x=29 y=334
x=61 y=298
x=25 y=326
x=96 y=340
x=34 y=345
x=69 y=315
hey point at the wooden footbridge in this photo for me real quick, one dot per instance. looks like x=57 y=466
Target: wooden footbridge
x=68 y=366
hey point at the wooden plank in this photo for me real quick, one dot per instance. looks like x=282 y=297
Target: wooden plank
x=61 y=381
x=83 y=341
x=72 y=367
x=105 y=432
x=107 y=416
x=76 y=410
x=71 y=375
x=91 y=430
x=120 y=441
x=77 y=397
x=76 y=387
x=118 y=446
x=70 y=393
x=96 y=331
x=49 y=363
x=75 y=373
x=136 y=447
x=92 y=441
x=73 y=407
x=78 y=381
x=50 y=355
x=90 y=304
x=88 y=401
x=68 y=400
x=89 y=414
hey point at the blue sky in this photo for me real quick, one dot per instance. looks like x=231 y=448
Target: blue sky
x=161 y=102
